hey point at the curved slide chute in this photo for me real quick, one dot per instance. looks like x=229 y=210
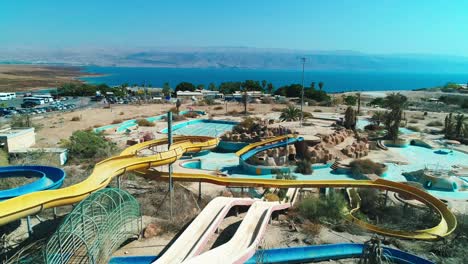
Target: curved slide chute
x=129 y=160
x=247 y=152
x=102 y=174
x=48 y=178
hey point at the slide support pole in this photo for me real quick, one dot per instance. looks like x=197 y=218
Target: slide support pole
x=169 y=143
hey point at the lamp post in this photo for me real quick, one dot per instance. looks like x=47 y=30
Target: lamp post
x=303 y=60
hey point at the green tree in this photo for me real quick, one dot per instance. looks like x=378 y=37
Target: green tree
x=201 y=87
x=212 y=87
x=350 y=118
x=230 y=87
x=166 y=90
x=87 y=144
x=185 y=86
x=320 y=84
x=350 y=100
x=290 y=113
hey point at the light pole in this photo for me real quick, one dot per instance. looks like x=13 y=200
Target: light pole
x=303 y=60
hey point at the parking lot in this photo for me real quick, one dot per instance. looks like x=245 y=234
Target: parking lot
x=13 y=107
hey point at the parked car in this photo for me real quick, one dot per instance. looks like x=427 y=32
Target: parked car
x=29 y=104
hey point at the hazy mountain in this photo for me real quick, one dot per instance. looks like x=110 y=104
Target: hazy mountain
x=240 y=57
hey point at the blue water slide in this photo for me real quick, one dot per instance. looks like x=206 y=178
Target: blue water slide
x=302 y=255
x=328 y=252
x=252 y=152
x=47 y=178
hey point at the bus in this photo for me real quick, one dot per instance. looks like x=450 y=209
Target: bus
x=47 y=97
x=36 y=100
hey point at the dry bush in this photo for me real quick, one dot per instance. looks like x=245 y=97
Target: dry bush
x=414 y=128
x=233 y=112
x=219 y=107
x=76 y=118
x=419 y=117
x=318 y=110
x=311 y=228
x=251 y=109
x=121 y=113
x=271 y=197
x=145 y=123
x=117 y=121
x=97 y=125
x=413 y=121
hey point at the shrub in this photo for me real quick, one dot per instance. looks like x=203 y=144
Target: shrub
x=419 y=117
x=413 y=121
x=87 y=144
x=304 y=166
x=219 y=107
x=117 y=121
x=191 y=114
x=366 y=166
x=144 y=123
x=271 y=197
x=3 y=158
x=329 y=207
x=435 y=123
x=251 y=109
x=318 y=110
x=209 y=101
x=121 y=113
x=76 y=118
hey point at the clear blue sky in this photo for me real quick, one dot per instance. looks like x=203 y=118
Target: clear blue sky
x=415 y=26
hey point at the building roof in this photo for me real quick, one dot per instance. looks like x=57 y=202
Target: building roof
x=13 y=132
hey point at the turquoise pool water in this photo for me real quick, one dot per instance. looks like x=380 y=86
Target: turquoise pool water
x=418 y=158
x=122 y=127
x=202 y=127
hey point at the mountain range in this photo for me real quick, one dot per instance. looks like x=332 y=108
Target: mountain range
x=239 y=57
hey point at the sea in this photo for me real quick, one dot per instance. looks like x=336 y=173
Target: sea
x=334 y=81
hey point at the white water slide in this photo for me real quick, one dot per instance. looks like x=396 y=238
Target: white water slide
x=246 y=239
x=192 y=240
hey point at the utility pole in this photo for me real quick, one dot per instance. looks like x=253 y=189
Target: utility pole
x=169 y=143
x=303 y=60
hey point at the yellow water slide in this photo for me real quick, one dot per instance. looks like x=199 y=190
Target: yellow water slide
x=140 y=158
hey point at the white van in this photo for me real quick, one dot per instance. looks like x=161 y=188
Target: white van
x=46 y=97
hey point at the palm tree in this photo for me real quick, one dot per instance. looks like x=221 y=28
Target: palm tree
x=270 y=88
x=378 y=117
x=396 y=102
x=178 y=104
x=350 y=118
x=264 y=85
x=312 y=85
x=320 y=86
x=460 y=125
x=358 y=103
x=290 y=113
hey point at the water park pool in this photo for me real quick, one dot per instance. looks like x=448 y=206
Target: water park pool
x=122 y=127
x=202 y=127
